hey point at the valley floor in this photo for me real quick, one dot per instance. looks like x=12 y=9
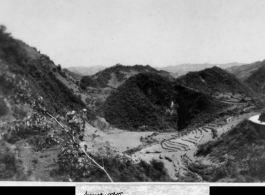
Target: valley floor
x=175 y=150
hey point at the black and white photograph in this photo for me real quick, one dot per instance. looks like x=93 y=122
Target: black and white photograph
x=140 y=91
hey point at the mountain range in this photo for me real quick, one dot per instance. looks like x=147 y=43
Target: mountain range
x=183 y=69
x=176 y=70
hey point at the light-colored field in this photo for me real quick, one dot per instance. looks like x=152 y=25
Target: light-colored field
x=119 y=139
x=124 y=140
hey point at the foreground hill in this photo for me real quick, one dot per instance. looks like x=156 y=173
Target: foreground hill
x=244 y=71
x=238 y=155
x=183 y=69
x=116 y=75
x=149 y=101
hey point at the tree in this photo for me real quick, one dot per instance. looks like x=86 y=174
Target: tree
x=59 y=67
x=75 y=133
x=2 y=28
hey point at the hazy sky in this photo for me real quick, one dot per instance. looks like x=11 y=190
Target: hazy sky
x=154 y=32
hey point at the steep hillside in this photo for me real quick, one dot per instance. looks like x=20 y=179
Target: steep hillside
x=28 y=81
x=148 y=101
x=257 y=79
x=84 y=71
x=39 y=71
x=116 y=75
x=239 y=154
x=183 y=69
x=244 y=71
x=215 y=82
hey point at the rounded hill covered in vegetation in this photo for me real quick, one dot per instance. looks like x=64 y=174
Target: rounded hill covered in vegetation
x=149 y=101
x=141 y=102
x=212 y=80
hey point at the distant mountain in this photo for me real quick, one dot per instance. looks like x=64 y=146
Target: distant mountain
x=116 y=75
x=185 y=68
x=82 y=70
x=149 y=101
x=244 y=71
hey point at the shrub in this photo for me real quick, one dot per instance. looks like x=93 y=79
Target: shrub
x=10 y=167
x=3 y=107
x=59 y=68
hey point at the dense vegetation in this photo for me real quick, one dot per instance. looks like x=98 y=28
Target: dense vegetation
x=195 y=107
x=88 y=81
x=141 y=101
x=144 y=102
x=245 y=149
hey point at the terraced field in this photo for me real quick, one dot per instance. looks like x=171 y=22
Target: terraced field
x=186 y=142
x=176 y=150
